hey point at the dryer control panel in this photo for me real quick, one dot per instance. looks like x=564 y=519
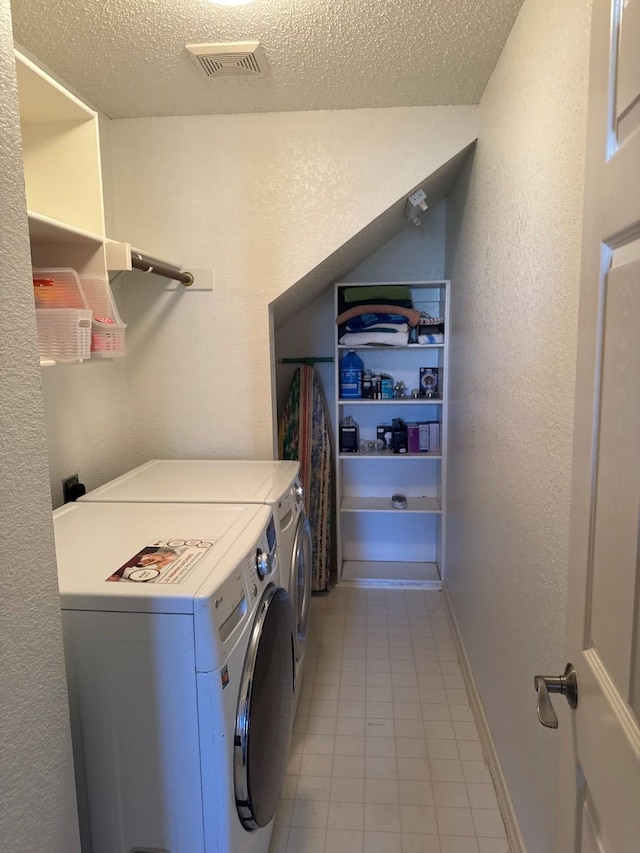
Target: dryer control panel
x=262 y=563
x=272 y=540
x=297 y=491
x=238 y=595
x=230 y=605
x=290 y=505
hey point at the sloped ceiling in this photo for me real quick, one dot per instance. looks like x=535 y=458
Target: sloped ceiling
x=128 y=57
x=352 y=253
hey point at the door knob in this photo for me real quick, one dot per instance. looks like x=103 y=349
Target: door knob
x=566 y=684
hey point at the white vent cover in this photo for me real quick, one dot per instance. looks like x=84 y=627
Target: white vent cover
x=229 y=59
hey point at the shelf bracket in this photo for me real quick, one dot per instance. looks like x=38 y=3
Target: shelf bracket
x=146 y=264
x=122 y=257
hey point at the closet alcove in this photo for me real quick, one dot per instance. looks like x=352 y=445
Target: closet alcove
x=391 y=250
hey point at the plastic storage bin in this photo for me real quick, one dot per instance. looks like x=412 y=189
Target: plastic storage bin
x=64 y=334
x=58 y=288
x=107 y=329
x=63 y=318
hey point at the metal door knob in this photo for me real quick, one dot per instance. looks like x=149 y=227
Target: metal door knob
x=565 y=684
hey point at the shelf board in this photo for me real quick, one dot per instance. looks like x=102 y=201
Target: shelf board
x=396 y=401
x=43 y=99
x=383 y=574
x=387 y=455
x=383 y=504
x=390 y=348
x=44 y=231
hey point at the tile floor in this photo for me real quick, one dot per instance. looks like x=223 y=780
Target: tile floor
x=385 y=755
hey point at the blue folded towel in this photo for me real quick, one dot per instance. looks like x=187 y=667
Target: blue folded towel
x=366 y=321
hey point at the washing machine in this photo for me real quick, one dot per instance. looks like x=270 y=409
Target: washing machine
x=276 y=484
x=180 y=670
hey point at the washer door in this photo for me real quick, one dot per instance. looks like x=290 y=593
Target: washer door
x=263 y=721
x=300 y=583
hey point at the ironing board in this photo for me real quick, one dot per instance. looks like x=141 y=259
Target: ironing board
x=304 y=435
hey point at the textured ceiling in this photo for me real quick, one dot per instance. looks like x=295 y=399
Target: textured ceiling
x=128 y=57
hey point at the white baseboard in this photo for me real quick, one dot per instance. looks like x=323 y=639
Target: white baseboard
x=502 y=792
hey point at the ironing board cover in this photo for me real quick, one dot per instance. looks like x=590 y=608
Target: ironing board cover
x=304 y=435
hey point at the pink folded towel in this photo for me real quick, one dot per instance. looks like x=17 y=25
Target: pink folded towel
x=413 y=316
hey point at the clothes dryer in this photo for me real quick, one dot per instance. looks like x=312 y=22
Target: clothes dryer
x=180 y=668
x=276 y=484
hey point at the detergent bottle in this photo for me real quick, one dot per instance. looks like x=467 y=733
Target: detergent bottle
x=351 y=370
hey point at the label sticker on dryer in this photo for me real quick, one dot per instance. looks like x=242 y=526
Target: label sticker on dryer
x=224 y=676
x=163 y=561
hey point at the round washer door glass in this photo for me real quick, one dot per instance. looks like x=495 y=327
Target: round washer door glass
x=263 y=721
x=300 y=583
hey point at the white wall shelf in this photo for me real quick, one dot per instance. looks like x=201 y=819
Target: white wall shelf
x=378 y=544
x=371 y=347
x=387 y=455
x=61 y=151
x=46 y=231
x=409 y=401
x=63 y=179
x=63 y=174
x=376 y=504
x=391 y=574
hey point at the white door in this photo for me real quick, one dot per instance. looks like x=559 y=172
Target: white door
x=600 y=775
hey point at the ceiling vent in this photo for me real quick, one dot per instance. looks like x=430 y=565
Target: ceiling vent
x=229 y=59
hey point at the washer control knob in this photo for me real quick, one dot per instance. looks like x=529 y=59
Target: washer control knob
x=254 y=590
x=299 y=492
x=263 y=563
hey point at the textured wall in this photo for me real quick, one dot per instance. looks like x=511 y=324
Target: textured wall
x=416 y=254
x=514 y=323
x=87 y=423
x=36 y=784
x=263 y=200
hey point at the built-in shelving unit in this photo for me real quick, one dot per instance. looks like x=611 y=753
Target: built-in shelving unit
x=62 y=172
x=378 y=544
x=63 y=179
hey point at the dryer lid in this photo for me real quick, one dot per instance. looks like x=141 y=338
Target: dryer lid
x=201 y=481
x=106 y=553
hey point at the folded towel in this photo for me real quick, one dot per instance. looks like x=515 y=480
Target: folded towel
x=384 y=339
x=386 y=328
x=411 y=314
x=378 y=327
x=391 y=294
x=430 y=329
x=428 y=320
x=370 y=321
x=435 y=338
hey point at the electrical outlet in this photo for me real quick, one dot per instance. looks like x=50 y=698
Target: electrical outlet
x=418 y=198
x=71 y=488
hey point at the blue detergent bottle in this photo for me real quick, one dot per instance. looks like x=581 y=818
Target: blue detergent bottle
x=351 y=370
